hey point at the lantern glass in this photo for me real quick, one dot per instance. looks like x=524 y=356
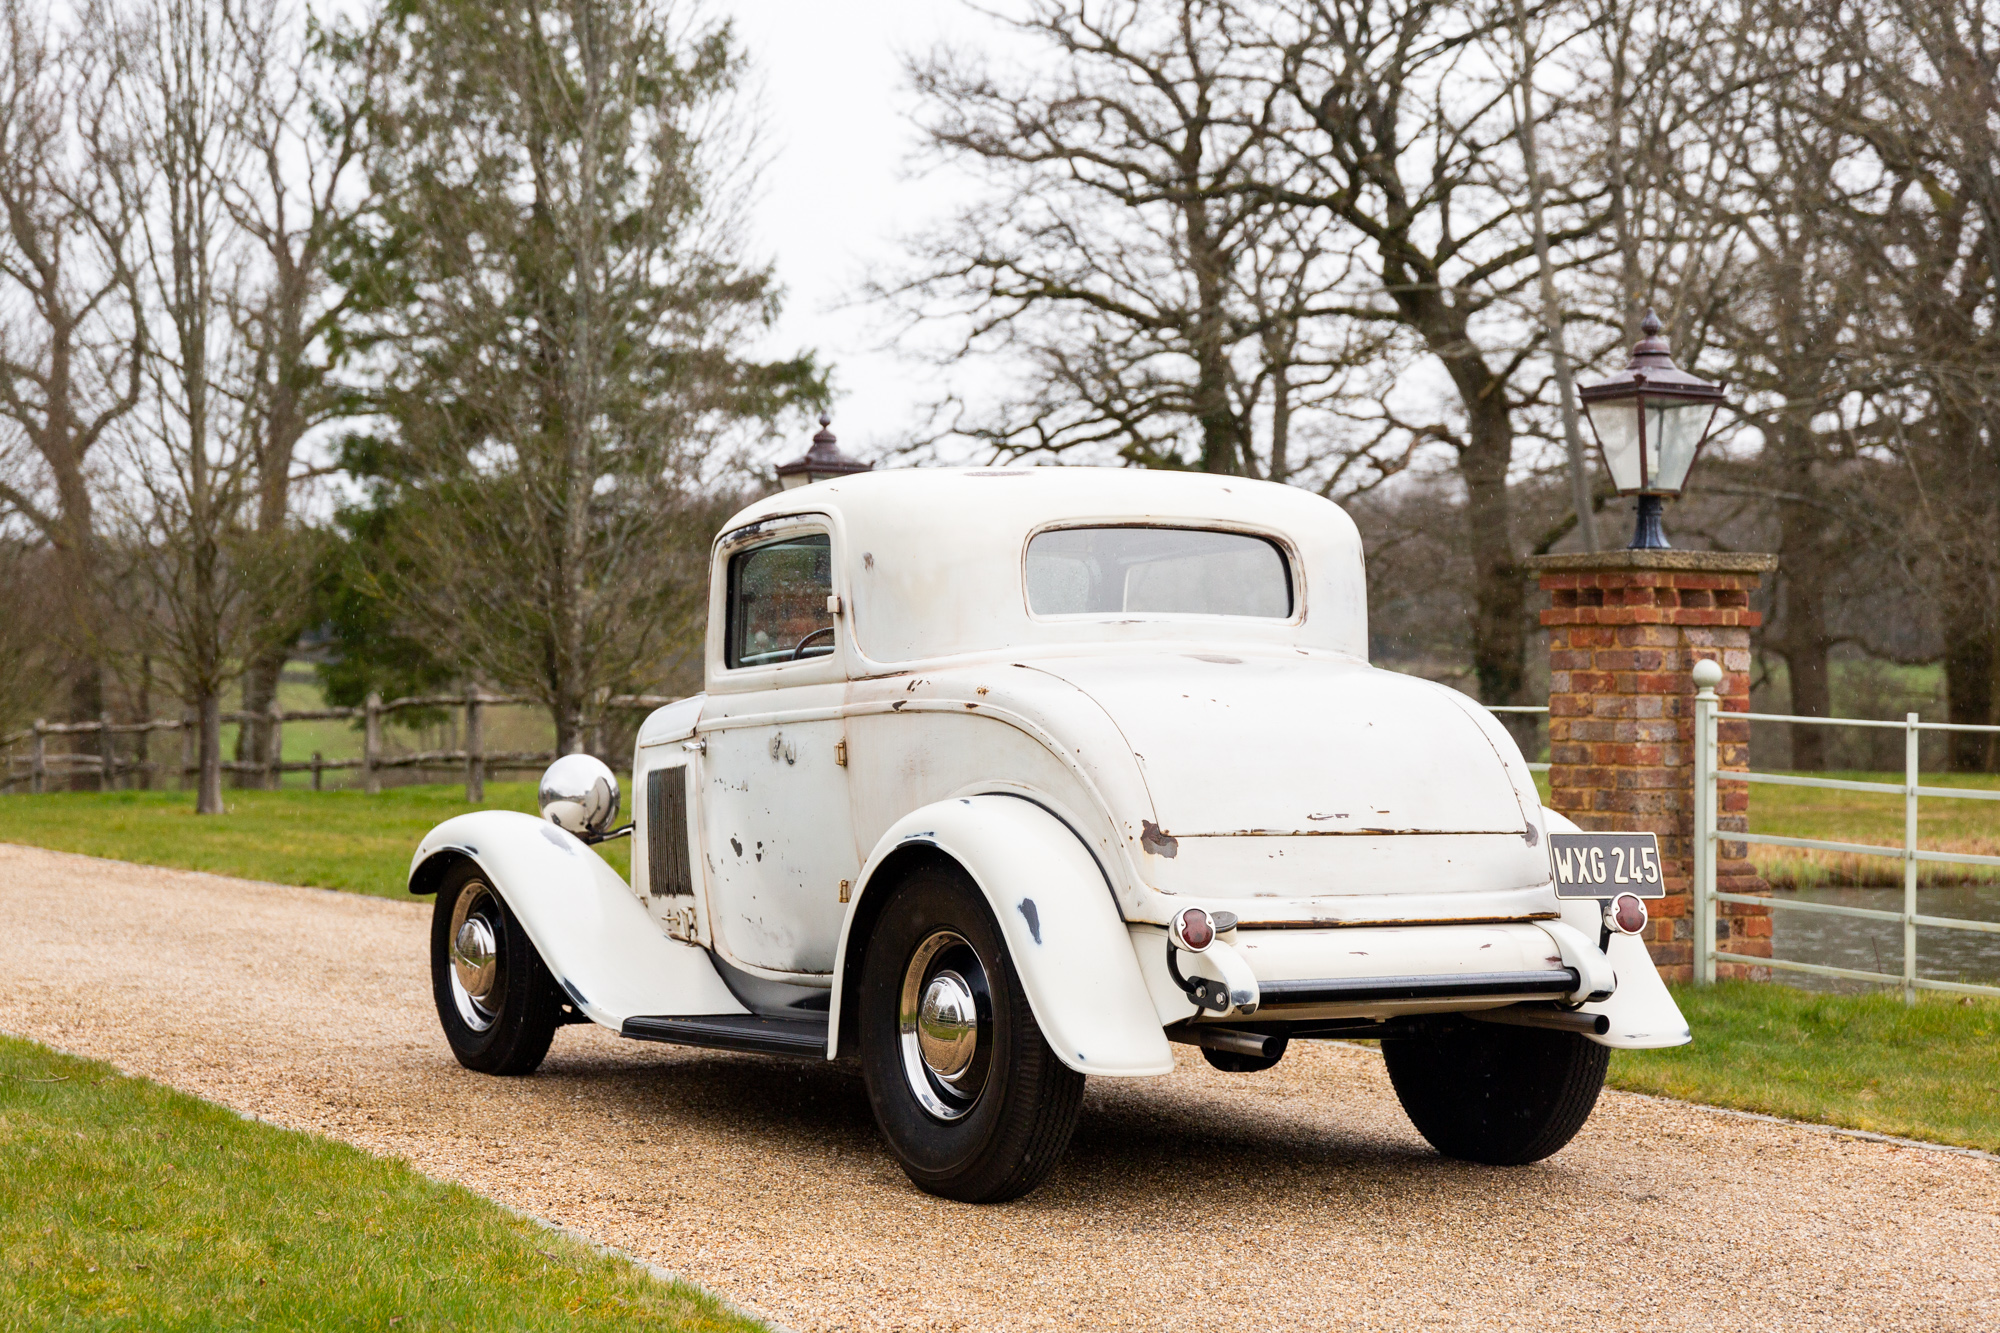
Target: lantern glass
x=1674 y=431
x=1649 y=443
x=1616 y=423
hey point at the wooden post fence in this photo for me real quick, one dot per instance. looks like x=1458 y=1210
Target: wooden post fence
x=264 y=766
x=274 y=748
x=371 y=744
x=475 y=751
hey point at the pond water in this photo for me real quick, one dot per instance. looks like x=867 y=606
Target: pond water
x=1877 y=946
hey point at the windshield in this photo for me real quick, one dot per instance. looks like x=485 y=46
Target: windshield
x=778 y=602
x=1186 y=571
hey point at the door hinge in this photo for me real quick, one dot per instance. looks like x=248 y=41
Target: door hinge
x=845 y=890
x=695 y=746
x=840 y=758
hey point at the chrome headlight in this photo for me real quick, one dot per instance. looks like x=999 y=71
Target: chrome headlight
x=579 y=793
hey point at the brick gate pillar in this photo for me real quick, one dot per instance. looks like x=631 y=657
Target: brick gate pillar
x=1625 y=629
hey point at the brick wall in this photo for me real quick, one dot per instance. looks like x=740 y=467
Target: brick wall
x=1625 y=629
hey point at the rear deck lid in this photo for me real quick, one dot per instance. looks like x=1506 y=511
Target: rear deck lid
x=1247 y=745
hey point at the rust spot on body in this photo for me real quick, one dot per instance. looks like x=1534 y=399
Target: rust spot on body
x=1158 y=841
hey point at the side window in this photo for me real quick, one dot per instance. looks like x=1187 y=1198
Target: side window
x=777 y=602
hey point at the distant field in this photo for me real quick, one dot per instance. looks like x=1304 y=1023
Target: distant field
x=127 y=1205
x=329 y=840
x=1943 y=825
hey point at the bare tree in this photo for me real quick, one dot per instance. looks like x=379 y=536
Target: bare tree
x=71 y=323
x=197 y=566
x=1163 y=312
x=1936 y=130
x=31 y=661
x=1852 y=142
x=302 y=114
x=1761 y=218
x=1528 y=38
x=1403 y=112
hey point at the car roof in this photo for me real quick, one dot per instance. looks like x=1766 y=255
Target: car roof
x=934 y=556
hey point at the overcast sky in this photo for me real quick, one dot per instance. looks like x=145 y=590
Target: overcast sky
x=838 y=193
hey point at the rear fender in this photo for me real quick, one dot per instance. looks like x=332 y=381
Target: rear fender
x=1055 y=910
x=1642 y=1012
x=610 y=956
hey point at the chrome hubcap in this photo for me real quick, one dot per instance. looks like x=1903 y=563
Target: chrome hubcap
x=948 y=1026
x=946 y=1023
x=476 y=973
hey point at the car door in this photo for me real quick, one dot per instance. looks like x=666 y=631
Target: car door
x=779 y=834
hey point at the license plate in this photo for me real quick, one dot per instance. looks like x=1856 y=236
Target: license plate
x=1604 y=865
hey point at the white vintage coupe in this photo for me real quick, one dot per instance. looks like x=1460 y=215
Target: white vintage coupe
x=1003 y=778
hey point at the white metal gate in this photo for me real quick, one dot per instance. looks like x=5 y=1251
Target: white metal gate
x=1708 y=775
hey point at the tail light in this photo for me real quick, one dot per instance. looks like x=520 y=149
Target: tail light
x=1625 y=914
x=1191 y=929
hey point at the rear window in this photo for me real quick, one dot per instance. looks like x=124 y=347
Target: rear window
x=1184 y=571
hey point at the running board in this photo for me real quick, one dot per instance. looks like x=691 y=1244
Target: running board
x=1451 y=986
x=803 y=1035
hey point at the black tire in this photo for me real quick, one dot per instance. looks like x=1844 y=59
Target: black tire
x=507 y=1027
x=1011 y=1129
x=1504 y=1096
x=1235 y=1062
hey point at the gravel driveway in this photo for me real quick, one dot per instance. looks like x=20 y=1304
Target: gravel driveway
x=1293 y=1199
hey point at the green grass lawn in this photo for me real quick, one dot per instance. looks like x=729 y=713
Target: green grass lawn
x=329 y=840
x=124 y=1204
x=1861 y=1061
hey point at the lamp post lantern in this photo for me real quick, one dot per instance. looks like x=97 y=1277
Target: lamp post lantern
x=1650 y=419
x=822 y=462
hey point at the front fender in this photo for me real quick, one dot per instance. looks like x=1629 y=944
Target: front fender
x=598 y=940
x=1055 y=910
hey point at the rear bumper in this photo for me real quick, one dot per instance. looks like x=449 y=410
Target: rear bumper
x=1549 y=983
x=1378 y=971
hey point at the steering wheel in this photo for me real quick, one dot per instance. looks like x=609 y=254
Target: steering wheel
x=800 y=650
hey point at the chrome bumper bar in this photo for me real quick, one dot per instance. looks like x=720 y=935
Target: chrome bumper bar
x=1552 y=981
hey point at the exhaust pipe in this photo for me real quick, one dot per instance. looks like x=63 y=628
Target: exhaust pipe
x=1537 y=1016
x=1257 y=1045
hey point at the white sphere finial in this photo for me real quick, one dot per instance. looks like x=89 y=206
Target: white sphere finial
x=1707 y=674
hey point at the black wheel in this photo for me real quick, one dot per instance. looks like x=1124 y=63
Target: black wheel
x=1235 y=1062
x=1499 y=1095
x=499 y=1005
x=972 y=1101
